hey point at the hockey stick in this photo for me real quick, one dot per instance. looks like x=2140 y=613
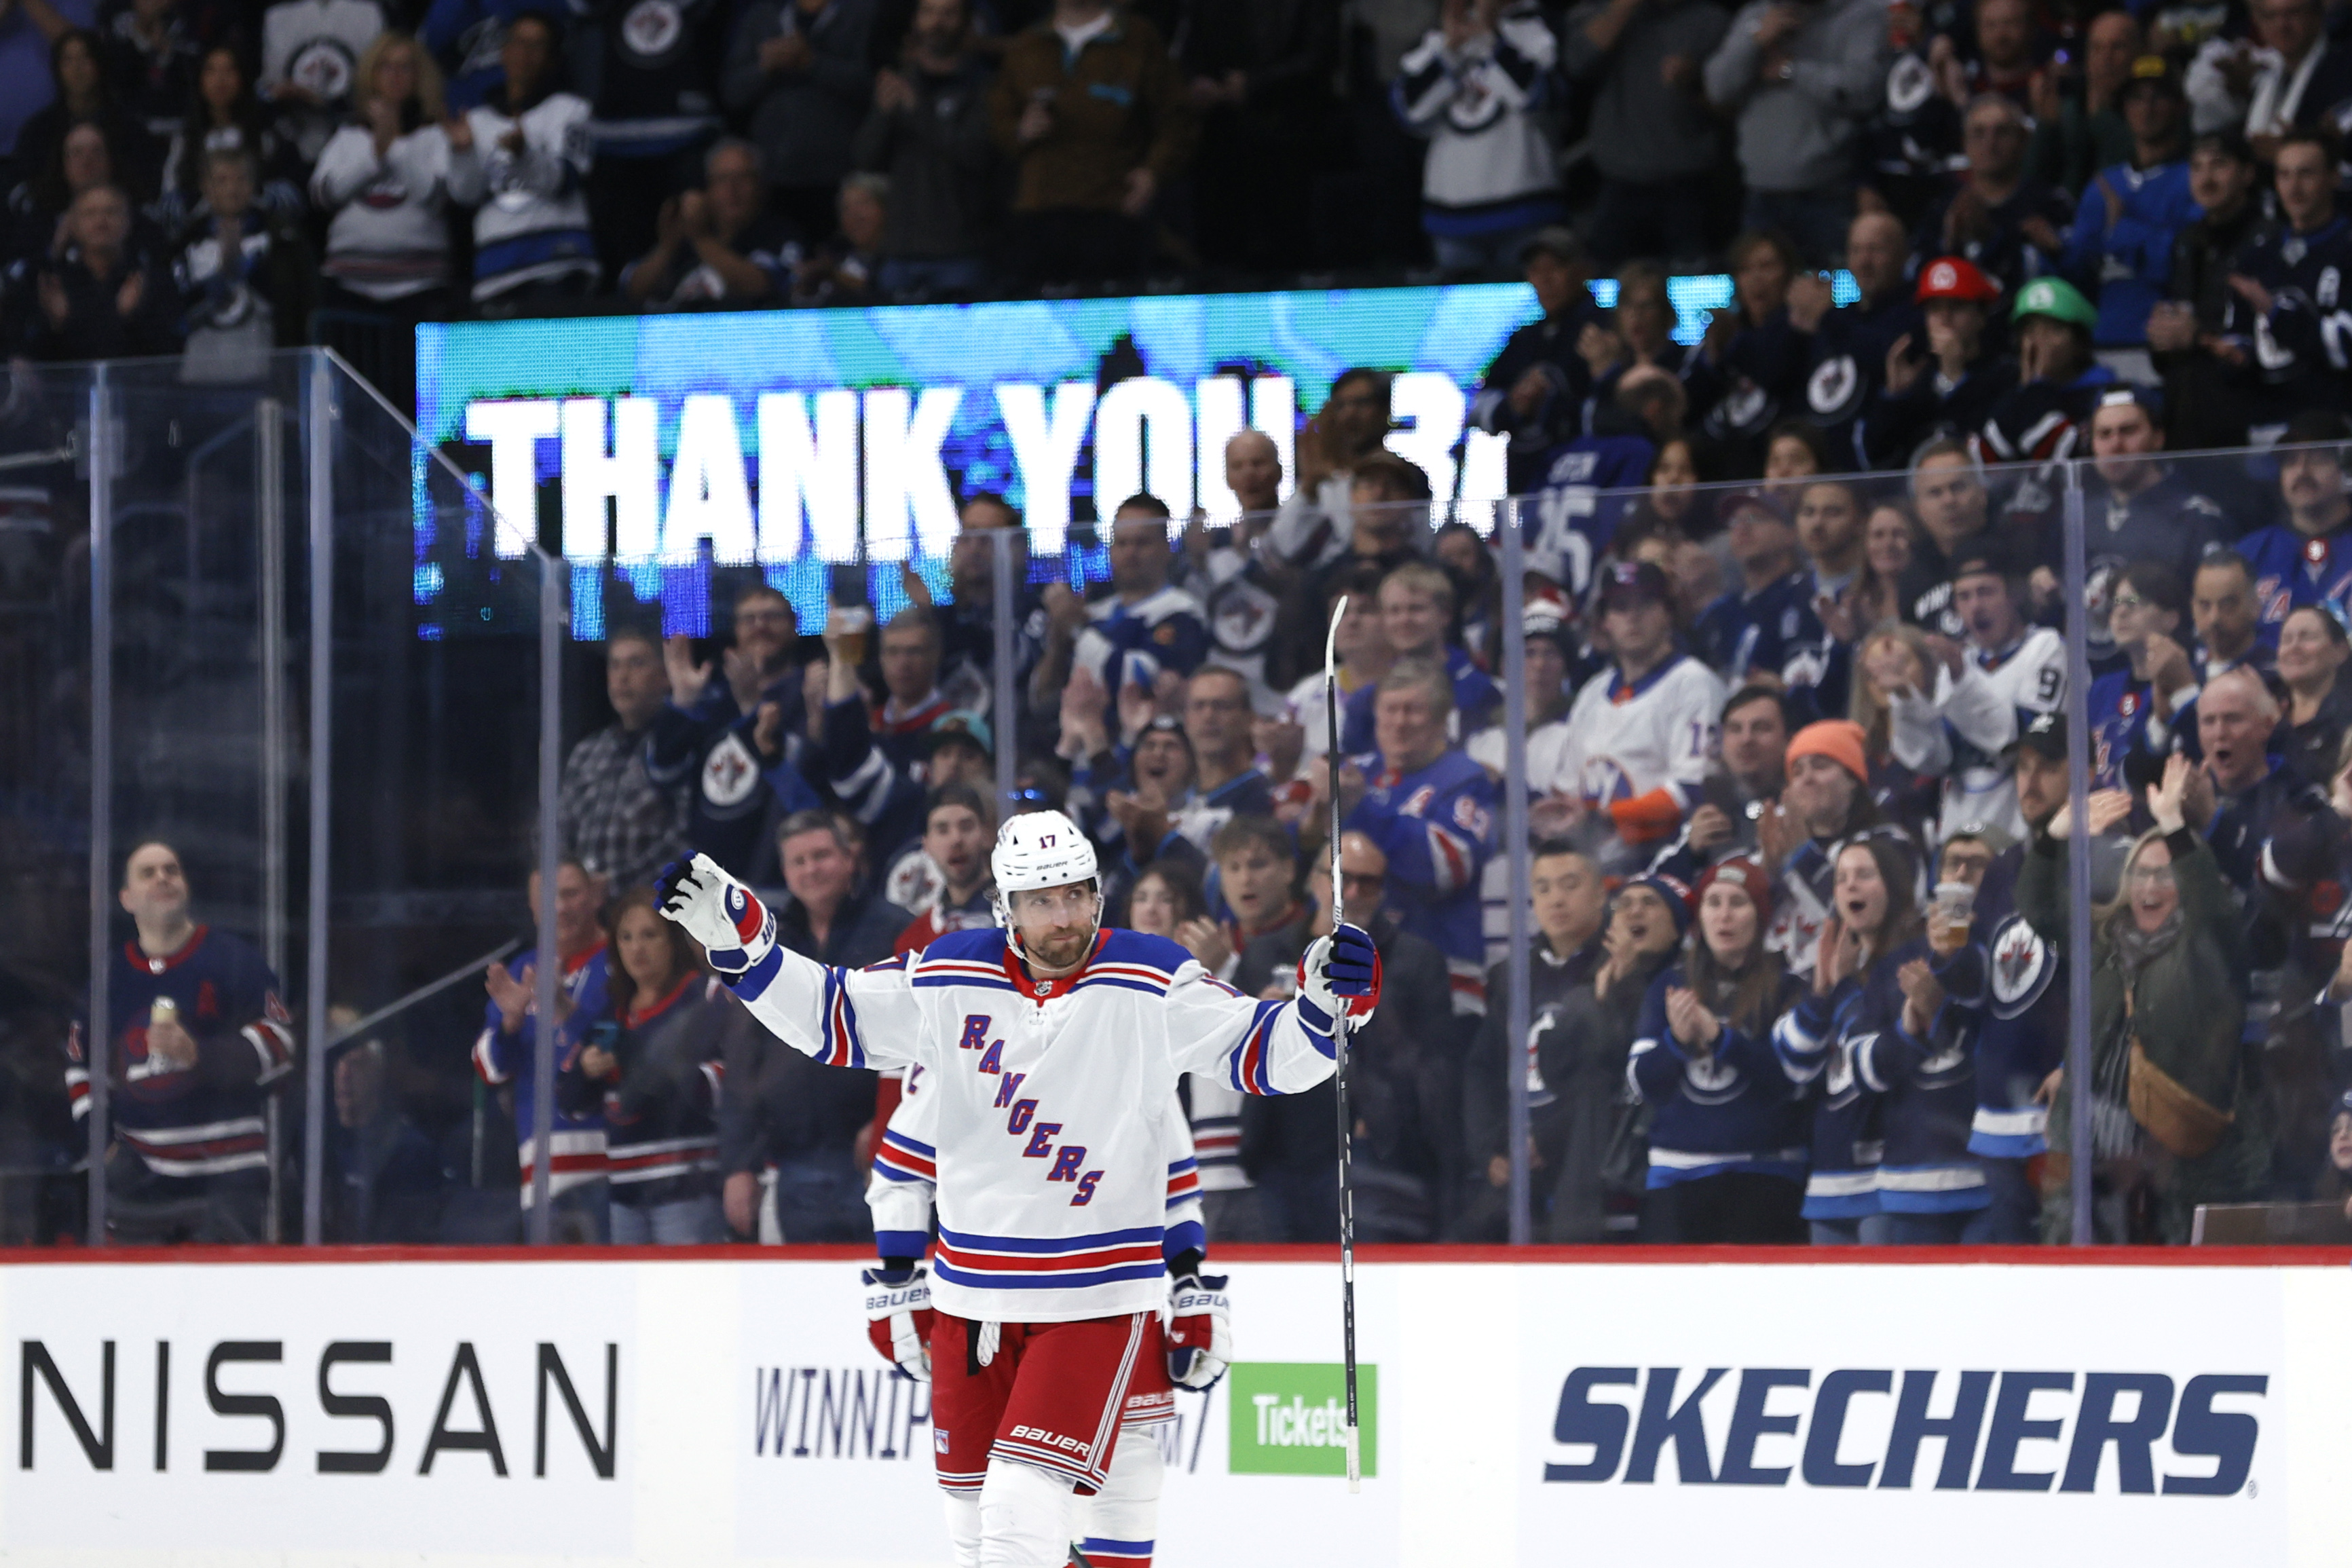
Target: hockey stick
x=1339 y=1062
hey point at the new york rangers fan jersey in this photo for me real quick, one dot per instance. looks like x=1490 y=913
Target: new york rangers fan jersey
x=1432 y=825
x=503 y=1060
x=1640 y=750
x=2291 y=569
x=1055 y=1101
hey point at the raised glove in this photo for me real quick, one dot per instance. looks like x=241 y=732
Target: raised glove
x=1343 y=964
x=1199 y=1331
x=899 y=1318
x=727 y=918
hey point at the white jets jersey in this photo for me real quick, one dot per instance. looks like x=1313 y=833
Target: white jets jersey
x=1052 y=1103
x=1972 y=719
x=1626 y=739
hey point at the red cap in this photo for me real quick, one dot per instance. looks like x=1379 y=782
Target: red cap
x=1956 y=278
x=1744 y=871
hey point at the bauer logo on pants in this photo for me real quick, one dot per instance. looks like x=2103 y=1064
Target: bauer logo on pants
x=1289 y=1418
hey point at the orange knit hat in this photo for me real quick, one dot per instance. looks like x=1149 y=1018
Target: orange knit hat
x=1839 y=739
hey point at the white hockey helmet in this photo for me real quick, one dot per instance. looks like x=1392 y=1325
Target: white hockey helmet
x=1040 y=849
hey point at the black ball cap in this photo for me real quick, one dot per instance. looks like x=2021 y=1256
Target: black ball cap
x=1974 y=557
x=2046 y=736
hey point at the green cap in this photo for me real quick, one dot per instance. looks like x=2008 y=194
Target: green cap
x=2055 y=298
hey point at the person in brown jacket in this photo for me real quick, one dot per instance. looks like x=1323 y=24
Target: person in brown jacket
x=1090 y=107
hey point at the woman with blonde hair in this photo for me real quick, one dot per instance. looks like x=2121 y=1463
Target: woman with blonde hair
x=386 y=180
x=2174 y=1117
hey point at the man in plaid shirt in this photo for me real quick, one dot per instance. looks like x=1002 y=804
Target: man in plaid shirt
x=611 y=815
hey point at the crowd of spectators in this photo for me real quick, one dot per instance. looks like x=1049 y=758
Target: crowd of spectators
x=1796 y=747
x=1796 y=754
x=188 y=171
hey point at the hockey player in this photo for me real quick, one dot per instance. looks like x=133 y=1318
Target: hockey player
x=1120 y=1524
x=197 y=1039
x=1049 y=1277
x=1641 y=734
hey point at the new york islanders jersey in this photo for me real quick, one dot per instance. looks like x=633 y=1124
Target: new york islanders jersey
x=205 y=1120
x=1053 y=1100
x=1640 y=750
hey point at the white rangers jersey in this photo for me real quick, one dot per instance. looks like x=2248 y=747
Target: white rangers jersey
x=906 y=1174
x=906 y=1180
x=1628 y=741
x=1053 y=1103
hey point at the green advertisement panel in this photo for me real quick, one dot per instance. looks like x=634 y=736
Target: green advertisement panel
x=1289 y=1418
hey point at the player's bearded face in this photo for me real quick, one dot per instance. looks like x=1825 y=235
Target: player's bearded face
x=1057 y=924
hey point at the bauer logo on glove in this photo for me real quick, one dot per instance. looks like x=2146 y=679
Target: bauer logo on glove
x=899 y=1318
x=1199 y=1331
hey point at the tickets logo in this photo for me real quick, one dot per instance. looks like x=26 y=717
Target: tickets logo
x=1289 y=1418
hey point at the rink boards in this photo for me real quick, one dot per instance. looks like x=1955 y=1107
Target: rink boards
x=715 y=1407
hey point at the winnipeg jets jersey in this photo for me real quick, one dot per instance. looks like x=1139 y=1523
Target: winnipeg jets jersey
x=1962 y=730
x=1055 y=1118
x=1626 y=739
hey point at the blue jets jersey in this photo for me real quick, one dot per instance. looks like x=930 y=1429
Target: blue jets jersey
x=205 y=1120
x=1123 y=642
x=1573 y=519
